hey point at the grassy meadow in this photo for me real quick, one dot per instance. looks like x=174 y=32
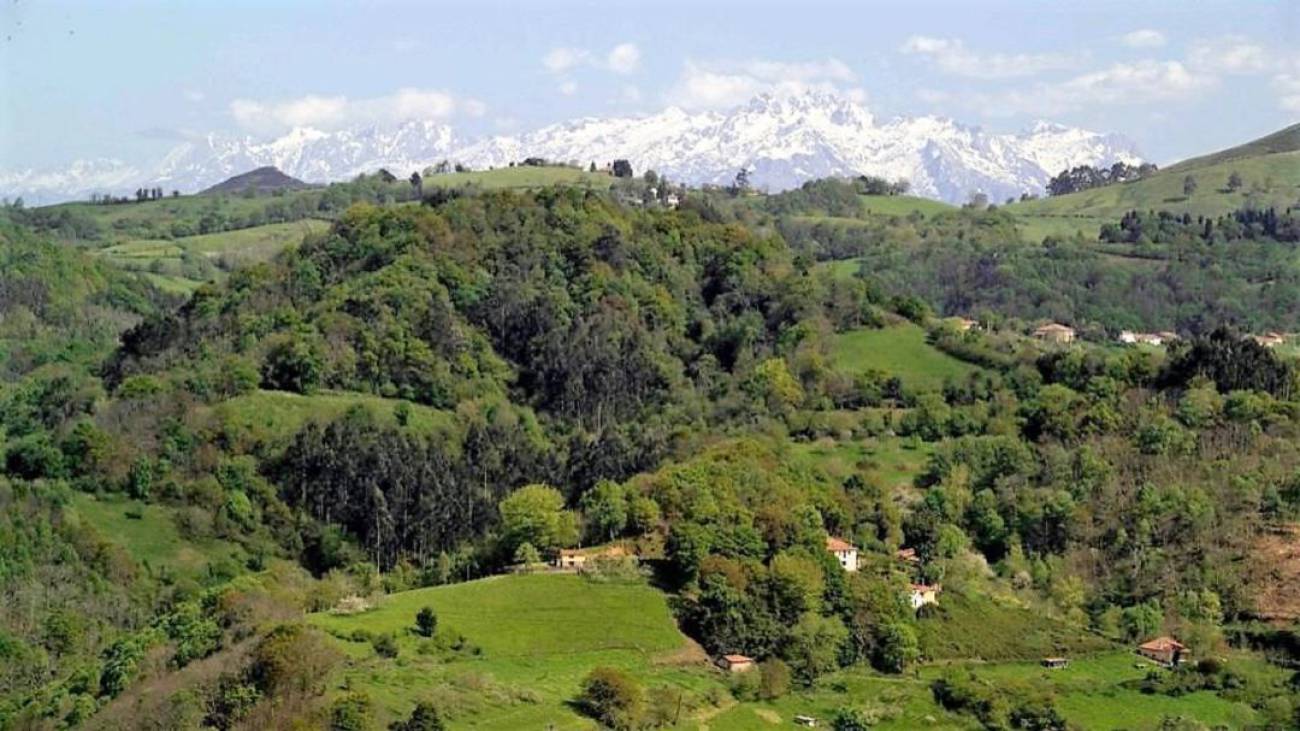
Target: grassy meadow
x=528 y=641
x=899 y=350
x=521 y=176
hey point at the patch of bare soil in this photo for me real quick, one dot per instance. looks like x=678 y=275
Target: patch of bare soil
x=1276 y=574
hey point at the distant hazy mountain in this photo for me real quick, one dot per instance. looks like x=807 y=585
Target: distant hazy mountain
x=783 y=140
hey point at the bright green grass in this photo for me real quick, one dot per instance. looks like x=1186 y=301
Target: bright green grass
x=246 y=245
x=522 y=176
x=894 y=461
x=275 y=416
x=152 y=538
x=899 y=350
x=116 y=219
x=537 y=635
x=1269 y=180
x=172 y=283
x=1091 y=693
x=841 y=268
x=971 y=626
x=902 y=205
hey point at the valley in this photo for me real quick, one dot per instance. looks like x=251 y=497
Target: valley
x=552 y=447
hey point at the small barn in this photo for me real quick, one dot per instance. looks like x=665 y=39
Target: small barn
x=1054 y=332
x=1055 y=663
x=737 y=663
x=1164 y=650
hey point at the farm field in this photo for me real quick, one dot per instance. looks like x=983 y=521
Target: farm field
x=900 y=350
x=529 y=642
x=902 y=205
x=521 y=176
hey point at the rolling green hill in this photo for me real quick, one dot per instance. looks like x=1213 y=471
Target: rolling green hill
x=902 y=205
x=526 y=643
x=1269 y=168
x=521 y=177
x=900 y=351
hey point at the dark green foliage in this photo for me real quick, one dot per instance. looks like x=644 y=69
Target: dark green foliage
x=423 y=718
x=1233 y=363
x=612 y=698
x=385 y=646
x=351 y=712
x=426 y=621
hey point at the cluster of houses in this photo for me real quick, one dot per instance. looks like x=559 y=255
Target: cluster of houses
x=847 y=555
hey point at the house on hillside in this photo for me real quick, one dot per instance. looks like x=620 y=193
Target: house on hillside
x=923 y=594
x=1054 y=332
x=846 y=553
x=1269 y=339
x=1129 y=337
x=575 y=559
x=672 y=200
x=1055 y=663
x=737 y=663
x=1164 y=650
x=963 y=324
x=907 y=555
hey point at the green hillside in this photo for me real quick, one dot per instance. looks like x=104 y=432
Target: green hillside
x=521 y=177
x=525 y=644
x=1269 y=169
x=900 y=350
x=902 y=205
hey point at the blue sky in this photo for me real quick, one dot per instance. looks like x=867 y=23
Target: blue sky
x=129 y=79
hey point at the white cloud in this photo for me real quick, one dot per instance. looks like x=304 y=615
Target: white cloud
x=1287 y=86
x=727 y=84
x=559 y=60
x=952 y=56
x=1144 y=38
x=624 y=58
x=568 y=88
x=1230 y=55
x=1141 y=82
x=333 y=112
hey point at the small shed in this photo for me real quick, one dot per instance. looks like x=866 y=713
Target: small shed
x=806 y=721
x=736 y=663
x=1055 y=332
x=1056 y=663
x=1164 y=650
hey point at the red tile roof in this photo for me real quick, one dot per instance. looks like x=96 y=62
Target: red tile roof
x=1162 y=644
x=839 y=544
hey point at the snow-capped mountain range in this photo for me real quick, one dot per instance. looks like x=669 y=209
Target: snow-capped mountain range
x=783 y=140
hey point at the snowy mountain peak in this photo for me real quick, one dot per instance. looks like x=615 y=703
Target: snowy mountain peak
x=783 y=138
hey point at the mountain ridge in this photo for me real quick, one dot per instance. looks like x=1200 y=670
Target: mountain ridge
x=783 y=139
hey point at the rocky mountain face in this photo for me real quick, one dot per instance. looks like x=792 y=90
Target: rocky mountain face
x=783 y=140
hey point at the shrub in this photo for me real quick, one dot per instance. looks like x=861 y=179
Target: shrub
x=612 y=697
x=385 y=645
x=426 y=621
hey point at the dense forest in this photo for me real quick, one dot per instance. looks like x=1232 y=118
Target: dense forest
x=555 y=368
